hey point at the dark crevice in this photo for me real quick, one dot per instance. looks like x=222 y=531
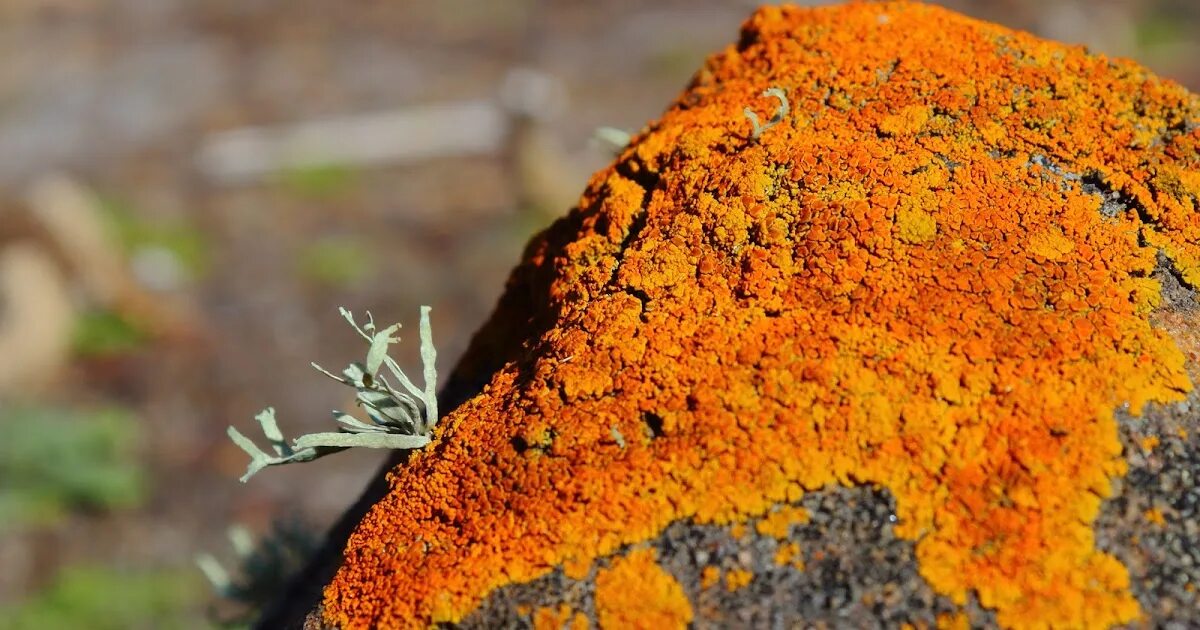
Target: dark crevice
x=1113 y=202
x=635 y=229
x=522 y=445
x=648 y=181
x=654 y=423
x=636 y=172
x=642 y=297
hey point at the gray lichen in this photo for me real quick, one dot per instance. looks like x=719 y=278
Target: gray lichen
x=402 y=417
x=781 y=112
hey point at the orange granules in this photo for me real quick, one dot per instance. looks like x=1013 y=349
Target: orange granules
x=1154 y=515
x=637 y=593
x=908 y=282
x=789 y=554
x=778 y=523
x=1149 y=443
x=737 y=578
x=955 y=621
x=560 y=618
x=709 y=577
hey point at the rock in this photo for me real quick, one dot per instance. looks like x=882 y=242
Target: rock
x=917 y=353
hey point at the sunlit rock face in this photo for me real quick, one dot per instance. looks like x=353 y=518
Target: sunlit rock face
x=884 y=362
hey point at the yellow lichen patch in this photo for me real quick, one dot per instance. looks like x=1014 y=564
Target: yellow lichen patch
x=1050 y=243
x=1149 y=443
x=1155 y=515
x=915 y=226
x=634 y=592
x=778 y=523
x=736 y=579
x=752 y=319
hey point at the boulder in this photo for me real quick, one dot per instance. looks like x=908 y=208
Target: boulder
x=916 y=344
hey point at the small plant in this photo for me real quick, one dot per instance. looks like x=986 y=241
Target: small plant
x=402 y=418
x=780 y=113
x=54 y=460
x=261 y=568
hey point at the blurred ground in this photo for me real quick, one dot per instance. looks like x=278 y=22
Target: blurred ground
x=149 y=298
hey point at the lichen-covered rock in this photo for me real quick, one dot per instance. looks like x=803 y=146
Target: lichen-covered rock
x=874 y=366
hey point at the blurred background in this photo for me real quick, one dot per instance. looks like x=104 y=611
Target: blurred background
x=190 y=189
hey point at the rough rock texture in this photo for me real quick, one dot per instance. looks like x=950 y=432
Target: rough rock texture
x=884 y=363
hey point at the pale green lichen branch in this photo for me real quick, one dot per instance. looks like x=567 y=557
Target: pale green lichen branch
x=218 y=575
x=613 y=138
x=259 y=569
x=781 y=112
x=402 y=419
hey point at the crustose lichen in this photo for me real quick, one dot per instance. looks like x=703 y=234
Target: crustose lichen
x=403 y=417
x=780 y=113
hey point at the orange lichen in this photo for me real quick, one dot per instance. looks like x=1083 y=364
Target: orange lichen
x=788 y=554
x=1149 y=443
x=763 y=318
x=778 y=524
x=709 y=577
x=1154 y=515
x=559 y=618
x=955 y=621
x=737 y=578
x=576 y=568
x=637 y=593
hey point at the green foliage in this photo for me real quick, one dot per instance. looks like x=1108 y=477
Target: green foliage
x=102 y=598
x=336 y=261
x=320 y=182
x=53 y=460
x=102 y=332
x=135 y=233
